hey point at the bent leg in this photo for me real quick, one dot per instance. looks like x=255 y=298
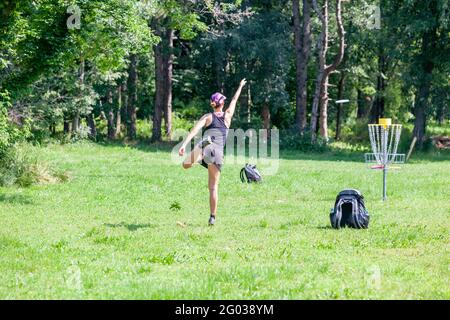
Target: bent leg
x=213 y=185
x=193 y=157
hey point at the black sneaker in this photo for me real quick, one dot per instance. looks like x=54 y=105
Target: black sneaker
x=212 y=220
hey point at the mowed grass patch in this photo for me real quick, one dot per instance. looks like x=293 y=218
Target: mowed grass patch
x=131 y=224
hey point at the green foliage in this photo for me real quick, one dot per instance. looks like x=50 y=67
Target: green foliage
x=241 y=47
x=193 y=110
x=10 y=133
x=143 y=129
x=181 y=123
x=15 y=165
x=301 y=143
x=175 y=206
x=217 y=43
x=188 y=24
x=42 y=51
x=356 y=133
x=5 y=129
x=82 y=134
x=18 y=166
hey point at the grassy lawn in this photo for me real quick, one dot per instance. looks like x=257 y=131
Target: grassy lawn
x=111 y=231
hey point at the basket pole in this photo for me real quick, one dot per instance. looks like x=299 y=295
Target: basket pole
x=384 y=147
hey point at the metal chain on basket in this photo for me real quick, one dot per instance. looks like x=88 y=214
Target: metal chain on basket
x=397 y=137
x=373 y=134
x=390 y=155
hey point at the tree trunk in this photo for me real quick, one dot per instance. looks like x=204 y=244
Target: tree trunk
x=111 y=127
x=442 y=114
x=323 y=48
x=243 y=105
x=219 y=66
x=76 y=117
x=339 y=106
x=320 y=101
x=323 y=119
x=266 y=120
x=119 y=111
x=424 y=86
x=377 y=110
x=159 y=92
x=132 y=99
x=163 y=52
x=92 y=126
x=67 y=126
x=124 y=114
x=419 y=113
x=76 y=121
x=360 y=105
x=110 y=118
x=168 y=73
x=302 y=41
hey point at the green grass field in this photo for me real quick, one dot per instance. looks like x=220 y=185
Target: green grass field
x=111 y=231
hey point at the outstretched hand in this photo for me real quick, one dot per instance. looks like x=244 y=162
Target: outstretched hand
x=243 y=82
x=181 y=151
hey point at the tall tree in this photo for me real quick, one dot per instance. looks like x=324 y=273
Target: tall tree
x=163 y=52
x=119 y=111
x=426 y=65
x=110 y=116
x=421 y=30
x=160 y=93
x=302 y=41
x=81 y=75
x=320 y=102
x=131 y=105
x=168 y=73
x=172 y=16
x=378 y=107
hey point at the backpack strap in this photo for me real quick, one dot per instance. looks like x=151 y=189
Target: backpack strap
x=242 y=175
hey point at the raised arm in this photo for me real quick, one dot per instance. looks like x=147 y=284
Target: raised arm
x=198 y=126
x=230 y=111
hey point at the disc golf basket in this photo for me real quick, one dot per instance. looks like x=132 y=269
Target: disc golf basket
x=384 y=139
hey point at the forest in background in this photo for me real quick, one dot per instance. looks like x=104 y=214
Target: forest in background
x=93 y=92
x=125 y=69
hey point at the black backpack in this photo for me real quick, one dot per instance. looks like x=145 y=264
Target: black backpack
x=250 y=173
x=349 y=211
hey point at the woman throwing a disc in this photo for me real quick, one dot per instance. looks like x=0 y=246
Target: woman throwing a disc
x=210 y=151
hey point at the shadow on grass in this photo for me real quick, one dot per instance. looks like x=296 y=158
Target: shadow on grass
x=338 y=230
x=131 y=227
x=15 y=199
x=325 y=228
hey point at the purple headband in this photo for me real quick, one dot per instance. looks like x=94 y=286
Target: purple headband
x=217 y=97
